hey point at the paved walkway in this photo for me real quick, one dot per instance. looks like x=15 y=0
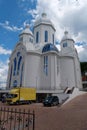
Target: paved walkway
x=71 y=116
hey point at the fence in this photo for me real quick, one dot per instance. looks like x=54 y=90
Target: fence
x=16 y=119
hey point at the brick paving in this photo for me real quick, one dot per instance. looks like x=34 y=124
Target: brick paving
x=71 y=116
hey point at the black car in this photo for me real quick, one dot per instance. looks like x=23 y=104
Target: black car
x=51 y=101
x=4 y=98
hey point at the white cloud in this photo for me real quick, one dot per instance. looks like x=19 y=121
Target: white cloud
x=83 y=55
x=4 y=51
x=33 y=12
x=79 y=48
x=82 y=52
x=9 y=27
x=3 y=73
x=65 y=14
x=68 y=15
x=3 y=67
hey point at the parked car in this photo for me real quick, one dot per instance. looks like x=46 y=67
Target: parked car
x=51 y=101
x=4 y=98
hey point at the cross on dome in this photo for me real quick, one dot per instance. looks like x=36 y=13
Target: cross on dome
x=66 y=32
x=27 y=26
x=44 y=15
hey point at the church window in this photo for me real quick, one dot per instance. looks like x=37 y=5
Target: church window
x=18 y=54
x=19 y=62
x=15 y=64
x=15 y=83
x=21 y=75
x=10 y=77
x=46 y=36
x=37 y=37
x=46 y=65
x=65 y=44
x=53 y=38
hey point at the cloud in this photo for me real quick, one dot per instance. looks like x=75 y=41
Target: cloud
x=33 y=12
x=4 y=51
x=66 y=15
x=4 y=66
x=9 y=27
x=82 y=51
x=3 y=73
x=25 y=5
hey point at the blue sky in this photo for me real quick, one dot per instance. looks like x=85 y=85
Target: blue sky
x=13 y=14
x=13 y=17
x=68 y=15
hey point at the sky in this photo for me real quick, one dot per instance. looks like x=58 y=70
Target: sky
x=70 y=15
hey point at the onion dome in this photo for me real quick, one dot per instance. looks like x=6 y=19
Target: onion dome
x=26 y=30
x=49 y=47
x=43 y=20
x=66 y=36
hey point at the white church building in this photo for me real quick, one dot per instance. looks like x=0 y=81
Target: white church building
x=36 y=61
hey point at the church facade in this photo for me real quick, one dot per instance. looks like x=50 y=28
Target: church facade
x=36 y=61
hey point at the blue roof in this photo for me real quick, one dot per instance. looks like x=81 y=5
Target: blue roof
x=49 y=47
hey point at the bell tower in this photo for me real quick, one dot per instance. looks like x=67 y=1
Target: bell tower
x=67 y=43
x=44 y=31
x=26 y=35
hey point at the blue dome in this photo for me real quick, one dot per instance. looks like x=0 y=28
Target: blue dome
x=49 y=47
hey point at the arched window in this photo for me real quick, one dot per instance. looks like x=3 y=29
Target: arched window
x=46 y=65
x=10 y=76
x=15 y=83
x=53 y=38
x=19 y=62
x=65 y=44
x=46 y=36
x=21 y=75
x=15 y=64
x=37 y=37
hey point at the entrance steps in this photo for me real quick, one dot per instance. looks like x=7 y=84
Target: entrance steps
x=76 y=92
x=68 y=94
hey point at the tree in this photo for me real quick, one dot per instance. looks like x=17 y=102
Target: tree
x=83 y=66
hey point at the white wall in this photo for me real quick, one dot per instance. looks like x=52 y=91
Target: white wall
x=52 y=80
x=19 y=48
x=32 y=70
x=77 y=72
x=55 y=76
x=41 y=29
x=70 y=46
x=67 y=72
x=45 y=79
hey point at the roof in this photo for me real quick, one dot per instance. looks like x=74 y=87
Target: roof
x=43 y=20
x=26 y=30
x=49 y=47
x=66 y=36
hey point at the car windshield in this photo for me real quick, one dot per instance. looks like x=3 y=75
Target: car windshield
x=49 y=98
x=11 y=95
